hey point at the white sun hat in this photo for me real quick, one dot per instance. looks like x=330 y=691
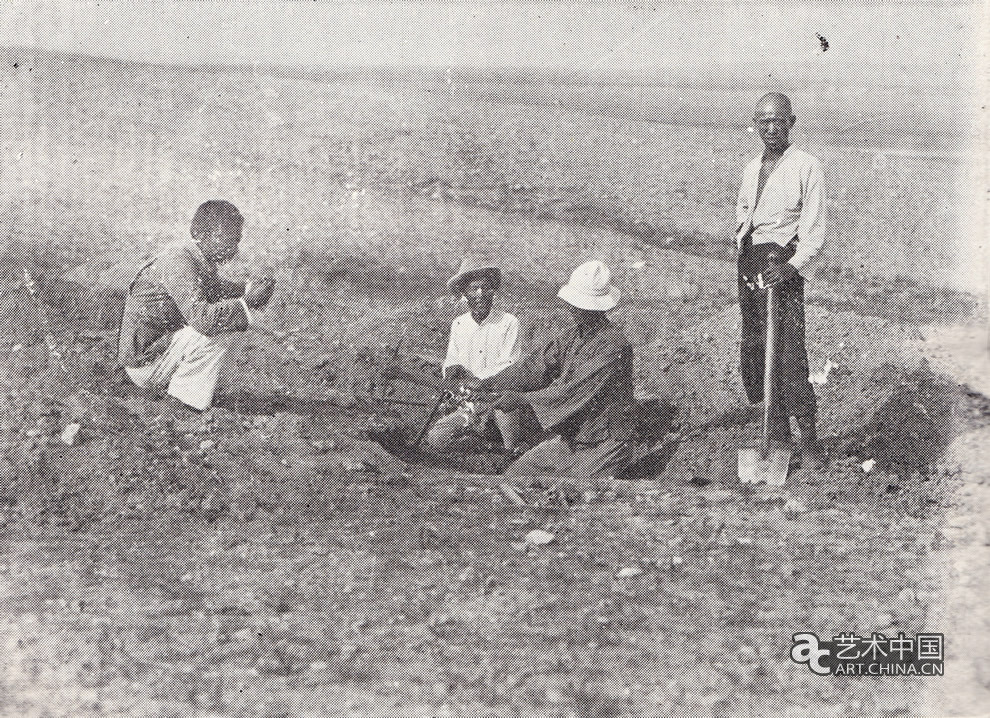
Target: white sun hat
x=590 y=288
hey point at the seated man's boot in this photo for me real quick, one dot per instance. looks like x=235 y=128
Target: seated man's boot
x=812 y=455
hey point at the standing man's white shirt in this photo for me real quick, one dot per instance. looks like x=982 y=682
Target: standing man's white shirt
x=789 y=208
x=483 y=349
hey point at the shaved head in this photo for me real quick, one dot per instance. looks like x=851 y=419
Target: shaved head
x=774 y=119
x=776 y=100
x=217 y=227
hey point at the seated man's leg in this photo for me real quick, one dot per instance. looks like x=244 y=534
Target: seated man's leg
x=551 y=458
x=194 y=380
x=508 y=426
x=606 y=460
x=447 y=430
x=159 y=372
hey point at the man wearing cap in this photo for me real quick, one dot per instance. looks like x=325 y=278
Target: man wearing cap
x=780 y=228
x=580 y=386
x=483 y=341
x=180 y=315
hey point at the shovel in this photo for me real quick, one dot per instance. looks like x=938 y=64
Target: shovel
x=768 y=461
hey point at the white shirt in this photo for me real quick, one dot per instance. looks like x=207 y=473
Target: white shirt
x=790 y=206
x=483 y=349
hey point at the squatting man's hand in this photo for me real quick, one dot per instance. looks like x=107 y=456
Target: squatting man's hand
x=258 y=293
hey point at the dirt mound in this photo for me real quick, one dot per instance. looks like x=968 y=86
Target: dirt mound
x=879 y=404
x=912 y=428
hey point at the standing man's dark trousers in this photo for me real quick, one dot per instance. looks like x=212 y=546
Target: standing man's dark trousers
x=794 y=390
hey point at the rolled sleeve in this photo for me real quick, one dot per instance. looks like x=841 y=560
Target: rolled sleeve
x=811 y=225
x=184 y=284
x=746 y=189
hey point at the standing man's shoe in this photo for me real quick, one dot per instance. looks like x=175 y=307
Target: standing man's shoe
x=812 y=455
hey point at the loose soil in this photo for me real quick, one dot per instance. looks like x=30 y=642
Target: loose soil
x=266 y=558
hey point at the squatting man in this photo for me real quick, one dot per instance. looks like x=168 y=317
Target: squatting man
x=180 y=316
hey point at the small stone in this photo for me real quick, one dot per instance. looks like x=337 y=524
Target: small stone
x=676 y=561
x=70 y=434
x=868 y=465
x=207 y=444
x=630 y=572
x=539 y=537
x=744 y=541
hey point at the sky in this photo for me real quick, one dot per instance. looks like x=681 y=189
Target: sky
x=599 y=37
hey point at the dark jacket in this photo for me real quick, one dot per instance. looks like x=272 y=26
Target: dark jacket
x=178 y=288
x=580 y=384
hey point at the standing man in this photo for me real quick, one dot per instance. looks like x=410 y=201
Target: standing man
x=580 y=385
x=780 y=227
x=180 y=315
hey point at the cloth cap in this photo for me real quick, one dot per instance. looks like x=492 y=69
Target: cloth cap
x=471 y=266
x=590 y=288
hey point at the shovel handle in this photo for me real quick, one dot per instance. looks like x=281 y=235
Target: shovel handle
x=769 y=365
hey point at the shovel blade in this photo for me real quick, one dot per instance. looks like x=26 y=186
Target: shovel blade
x=748 y=465
x=774 y=469
x=759 y=466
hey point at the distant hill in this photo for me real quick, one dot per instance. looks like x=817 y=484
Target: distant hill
x=876 y=107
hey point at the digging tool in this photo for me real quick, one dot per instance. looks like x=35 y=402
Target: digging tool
x=770 y=460
x=434 y=413
x=387 y=388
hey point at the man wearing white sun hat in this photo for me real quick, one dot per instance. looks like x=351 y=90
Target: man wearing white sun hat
x=580 y=385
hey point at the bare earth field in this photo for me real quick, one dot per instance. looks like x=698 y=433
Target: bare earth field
x=267 y=559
